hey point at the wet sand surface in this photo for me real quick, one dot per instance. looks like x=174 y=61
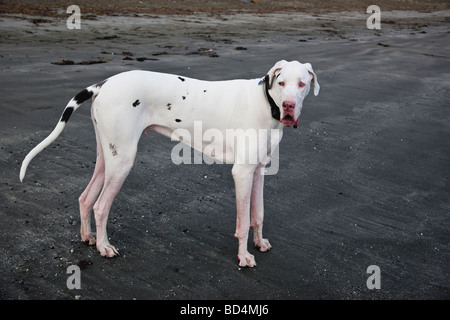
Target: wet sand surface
x=363 y=181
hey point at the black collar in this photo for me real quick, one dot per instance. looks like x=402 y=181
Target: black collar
x=273 y=106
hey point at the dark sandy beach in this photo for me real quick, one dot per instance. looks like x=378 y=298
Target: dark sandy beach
x=363 y=181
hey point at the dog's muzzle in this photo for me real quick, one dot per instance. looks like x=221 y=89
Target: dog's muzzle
x=288 y=114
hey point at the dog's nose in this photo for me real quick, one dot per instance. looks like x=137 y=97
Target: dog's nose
x=287 y=105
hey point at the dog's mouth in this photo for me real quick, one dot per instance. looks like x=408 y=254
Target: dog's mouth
x=289 y=121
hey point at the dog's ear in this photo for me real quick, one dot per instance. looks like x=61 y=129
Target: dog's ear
x=314 y=79
x=273 y=72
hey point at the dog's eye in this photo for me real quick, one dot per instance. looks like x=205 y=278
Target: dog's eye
x=281 y=84
x=301 y=84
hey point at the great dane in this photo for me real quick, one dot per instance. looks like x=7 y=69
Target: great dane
x=129 y=104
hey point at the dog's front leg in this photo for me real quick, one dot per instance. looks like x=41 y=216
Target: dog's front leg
x=257 y=210
x=243 y=180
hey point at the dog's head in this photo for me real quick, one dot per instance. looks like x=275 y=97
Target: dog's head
x=291 y=82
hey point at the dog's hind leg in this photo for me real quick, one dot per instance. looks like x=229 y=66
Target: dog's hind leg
x=90 y=194
x=119 y=154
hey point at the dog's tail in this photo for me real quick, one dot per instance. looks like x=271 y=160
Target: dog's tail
x=73 y=105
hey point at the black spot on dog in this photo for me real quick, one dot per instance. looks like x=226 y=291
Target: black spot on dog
x=182 y=79
x=136 y=103
x=169 y=106
x=83 y=96
x=66 y=115
x=113 y=149
x=184 y=97
x=204 y=90
x=177 y=120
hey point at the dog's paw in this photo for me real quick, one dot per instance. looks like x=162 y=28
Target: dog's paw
x=248 y=260
x=107 y=250
x=90 y=238
x=263 y=245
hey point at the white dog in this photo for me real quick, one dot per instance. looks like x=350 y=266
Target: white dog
x=128 y=104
